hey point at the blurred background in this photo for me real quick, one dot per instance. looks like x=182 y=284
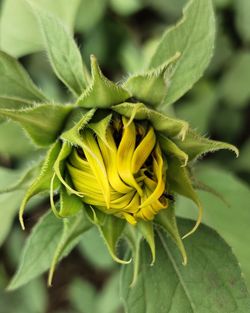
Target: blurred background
x=123 y=35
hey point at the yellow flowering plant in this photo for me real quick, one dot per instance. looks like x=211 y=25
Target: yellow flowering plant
x=116 y=157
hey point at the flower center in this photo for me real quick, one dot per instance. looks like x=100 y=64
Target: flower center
x=122 y=171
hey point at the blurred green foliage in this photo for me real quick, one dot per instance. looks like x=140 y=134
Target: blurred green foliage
x=123 y=34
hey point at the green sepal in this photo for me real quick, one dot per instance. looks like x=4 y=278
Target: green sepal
x=100 y=128
x=170 y=148
x=16 y=87
x=43 y=122
x=166 y=219
x=73 y=134
x=59 y=171
x=170 y=127
x=42 y=182
x=73 y=228
x=199 y=185
x=196 y=146
x=180 y=182
x=111 y=229
x=151 y=87
x=147 y=230
x=69 y=204
x=134 y=238
x=102 y=93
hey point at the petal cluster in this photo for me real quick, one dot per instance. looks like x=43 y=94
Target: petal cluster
x=125 y=174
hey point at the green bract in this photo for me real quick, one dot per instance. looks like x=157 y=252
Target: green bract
x=114 y=158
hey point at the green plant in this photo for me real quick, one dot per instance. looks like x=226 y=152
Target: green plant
x=136 y=156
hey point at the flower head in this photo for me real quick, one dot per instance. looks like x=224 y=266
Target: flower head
x=125 y=174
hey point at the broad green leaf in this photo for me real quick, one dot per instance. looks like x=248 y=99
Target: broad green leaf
x=151 y=87
x=22 y=180
x=43 y=128
x=234 y=87
x=232 y=222
x=171 y=127
x=38 y=251
x=92 y=242
x=85 y=299
x=242 y=13
x=43 y=180
x=31 y=298
x=14 y=142
x=198 y=109
x=19 y=30
x=205 y=285
x=193 y=37
x=73 y=228
x=82 y=295
x=196 y=146
x=16 y=88
x=89 y=14
x=62 y=51
x=109 y=300
x=101 y=93
x=48 y=242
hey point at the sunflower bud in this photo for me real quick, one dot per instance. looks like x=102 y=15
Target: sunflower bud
x=124 y=175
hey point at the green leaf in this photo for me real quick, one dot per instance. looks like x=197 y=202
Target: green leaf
x=16 y=88
x=38 y=251
x=19 y=30
x=151 y=87
x=242 y=13
x=82 y=296
x=89 y=14
x=204 y=285
x=43 y=180
x=48 y=242
x=92 y=242
x=9 y=202
x=62 y=51
x=199 y=107
x=193 y=37
x=73 y=228
x=43 y=128
x=171 y=127
x=196 y=146
x=234 y=87
x=232 y=222
x=102 y=93
x=14 y=142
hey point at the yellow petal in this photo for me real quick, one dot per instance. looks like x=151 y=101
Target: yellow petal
x=125 y=153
